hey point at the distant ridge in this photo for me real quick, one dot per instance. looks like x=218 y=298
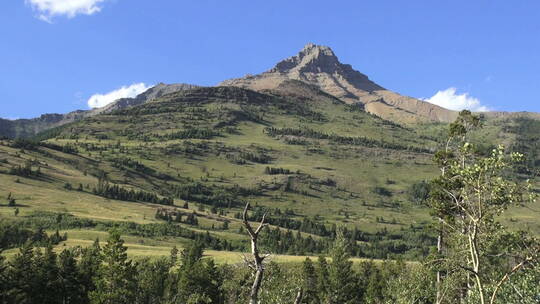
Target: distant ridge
x=31 y=127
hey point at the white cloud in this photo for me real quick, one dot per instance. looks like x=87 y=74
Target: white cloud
x=47 y=9
x=450 y=99
x=101 y=100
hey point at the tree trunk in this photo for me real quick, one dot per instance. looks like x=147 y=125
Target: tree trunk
x=439 y=251
x=299 y=296
x=254 y=295
x=257 y=261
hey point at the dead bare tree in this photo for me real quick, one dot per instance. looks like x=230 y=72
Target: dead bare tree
x=256 y=263
x=299 y=296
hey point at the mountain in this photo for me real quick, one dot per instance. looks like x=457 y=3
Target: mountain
x=30 y=127
x=146 y=96
x=319 y=66
x=179 y=163
x=294 y=149
x=314 y=65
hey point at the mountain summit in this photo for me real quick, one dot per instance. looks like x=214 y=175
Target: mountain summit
x=318 y=65
x=315 y=60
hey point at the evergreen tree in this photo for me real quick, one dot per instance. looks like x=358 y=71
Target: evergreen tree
x=173 y=256
x=21 y=277
x=4 y=281
x=322 y=279
x=46 y=273
x=309 y=286
x=89 y=266
x=341 y=277
x=199 y=281
x=70 y=287
x=152 y=280
x=116 y=283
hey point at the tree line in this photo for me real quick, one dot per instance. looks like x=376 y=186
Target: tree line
x=343 y=140
x=117 y=192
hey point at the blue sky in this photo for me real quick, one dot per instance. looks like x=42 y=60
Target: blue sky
x=56 y=54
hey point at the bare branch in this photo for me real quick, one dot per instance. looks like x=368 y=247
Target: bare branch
x=261 y=225
x=507 y=276
x=246 y=222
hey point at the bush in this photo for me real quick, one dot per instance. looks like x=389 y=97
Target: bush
x=419 y=192
x=382 y=191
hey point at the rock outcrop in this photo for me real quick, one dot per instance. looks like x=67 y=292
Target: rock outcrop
x=318 y=65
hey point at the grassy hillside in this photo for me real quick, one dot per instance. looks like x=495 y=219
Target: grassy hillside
x=183 y=166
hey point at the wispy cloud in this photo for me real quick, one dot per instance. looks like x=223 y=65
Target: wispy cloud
x=450 y=99
x=48 y=9
x=101 y=100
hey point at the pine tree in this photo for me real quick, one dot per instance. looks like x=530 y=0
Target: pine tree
x=309 y=286
x=70 y=287
x=46 y=274
x=173 y=256
x=89 y=266
x=116 y=283
x=152 y=279
x=22 y=278
x=4 y=281
x=322 y=279
x=199 y=281
x=341 y=277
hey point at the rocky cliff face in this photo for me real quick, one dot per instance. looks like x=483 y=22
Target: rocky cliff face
x=319 y=66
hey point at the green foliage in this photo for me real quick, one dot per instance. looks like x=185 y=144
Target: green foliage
x=115 y=284
x=419 y=192
x=217 y=196
x=413 y=285
x=275 y=171
x=152 y=280
x=382 y=191
x=192 y=133
x=341 y=277
x=118 y=193
x=12 y=235
x=309 y=285
x=341 y=140
x=199 y=281
x=70 y=283
x=25 y=170
x=468 y=198
x=527 y=142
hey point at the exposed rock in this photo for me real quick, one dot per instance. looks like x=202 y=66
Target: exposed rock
x=319 y=66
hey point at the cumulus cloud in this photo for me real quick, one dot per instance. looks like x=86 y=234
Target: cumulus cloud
x=101 y=100
x=47 y=9
x=450 y=99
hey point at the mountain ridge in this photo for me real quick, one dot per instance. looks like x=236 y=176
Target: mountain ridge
x=28 y=127
x=314 y=65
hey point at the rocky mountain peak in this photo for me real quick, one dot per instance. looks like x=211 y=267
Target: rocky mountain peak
x=312 y=58
x=319 y=66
